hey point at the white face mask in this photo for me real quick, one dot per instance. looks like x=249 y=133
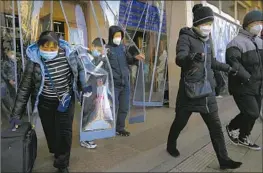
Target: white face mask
x=117 y=40
x=256 y=29
x=205 y=30
x=12 y=57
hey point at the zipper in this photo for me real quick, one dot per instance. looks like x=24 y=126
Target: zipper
x=206 y=98
x=122 y=80
x=260 y=67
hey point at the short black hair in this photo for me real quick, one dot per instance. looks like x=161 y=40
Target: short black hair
x=47 y=36
x=96 y=42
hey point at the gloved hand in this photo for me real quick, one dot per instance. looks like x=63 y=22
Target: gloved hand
x=233 y=70
x=14 y=123
x=200 y=57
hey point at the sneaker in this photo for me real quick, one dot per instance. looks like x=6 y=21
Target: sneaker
x=219 y=97
x=246 y=142
x=123 y=133
x=233 y=135
x=88 y=144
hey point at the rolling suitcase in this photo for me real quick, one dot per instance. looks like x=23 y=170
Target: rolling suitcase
x=18 y=149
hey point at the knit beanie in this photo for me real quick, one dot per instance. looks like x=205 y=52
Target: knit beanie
x=252 y=16
x=202 y=14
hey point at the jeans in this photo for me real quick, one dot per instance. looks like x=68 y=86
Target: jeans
x=249 y=107
x=213 y=123
x=122 y=103
x=57 y=127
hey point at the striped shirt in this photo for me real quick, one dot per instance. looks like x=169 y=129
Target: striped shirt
x=60 y=73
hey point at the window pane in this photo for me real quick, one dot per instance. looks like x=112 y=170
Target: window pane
x=228 y=7
x=215 y=3
x=241 y=12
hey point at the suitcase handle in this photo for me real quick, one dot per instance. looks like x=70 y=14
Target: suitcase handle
x=23 y=130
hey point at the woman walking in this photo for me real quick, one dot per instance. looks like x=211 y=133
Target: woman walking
x=197 y=85
x=51 y=78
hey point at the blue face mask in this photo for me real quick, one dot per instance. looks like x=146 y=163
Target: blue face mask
x=95 y=53
x=48 y=55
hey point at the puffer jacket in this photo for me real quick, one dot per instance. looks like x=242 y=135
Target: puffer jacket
x=246 y=52
x=120 y=57
x=189 y=43
x=32 y=81
x=8 y=70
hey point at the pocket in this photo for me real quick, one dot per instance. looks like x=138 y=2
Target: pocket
x=192 y=71
x=195 y=73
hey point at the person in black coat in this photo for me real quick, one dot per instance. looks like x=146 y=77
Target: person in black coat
x=194 y=56
x=120 y=57
x=246 y=51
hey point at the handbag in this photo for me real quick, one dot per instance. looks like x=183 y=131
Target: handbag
x=201 y=88
x=64 y=100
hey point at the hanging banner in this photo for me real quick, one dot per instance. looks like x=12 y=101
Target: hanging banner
x=150 y=19
x=136 y=13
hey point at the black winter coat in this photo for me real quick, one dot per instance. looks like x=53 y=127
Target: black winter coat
x=33 y=78
x=188 y=45
x=246 y=52
x=120 y=57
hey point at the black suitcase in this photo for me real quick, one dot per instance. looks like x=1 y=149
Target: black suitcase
x=18 y=149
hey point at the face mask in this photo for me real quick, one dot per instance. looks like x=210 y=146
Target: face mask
x=256 y=29
x=117 y=40
x=48 y=55
x=205 y=30
x=95 y=53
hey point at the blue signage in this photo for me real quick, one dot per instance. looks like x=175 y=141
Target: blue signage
x=132 y=19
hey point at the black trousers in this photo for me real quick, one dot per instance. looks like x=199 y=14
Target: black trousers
x=214 y=126
x=249 y=107
x=58 y=129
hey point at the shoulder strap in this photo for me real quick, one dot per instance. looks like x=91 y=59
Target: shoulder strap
x=205 y=46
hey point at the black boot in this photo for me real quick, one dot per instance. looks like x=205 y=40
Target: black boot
x=230 y=164
x=173 y=152
x=63 y=170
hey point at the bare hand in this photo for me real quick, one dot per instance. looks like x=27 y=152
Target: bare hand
x=12 y=82
x=140 y=57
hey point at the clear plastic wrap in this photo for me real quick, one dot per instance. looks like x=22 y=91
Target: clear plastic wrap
x=223 y=32
x=145 y=23
x=97 y=107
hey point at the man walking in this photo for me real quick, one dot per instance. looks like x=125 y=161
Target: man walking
x=246 y=86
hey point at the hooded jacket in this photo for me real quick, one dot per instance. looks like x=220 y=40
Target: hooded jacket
x=32 y=81
x=188 y=45
x=120 y=57
x=246 y=52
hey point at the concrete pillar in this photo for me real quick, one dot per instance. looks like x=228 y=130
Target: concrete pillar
x=179 y=14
